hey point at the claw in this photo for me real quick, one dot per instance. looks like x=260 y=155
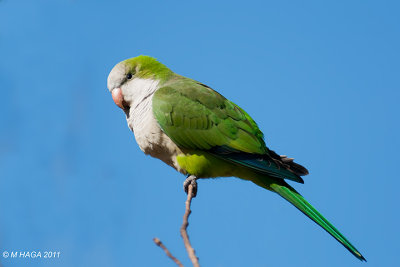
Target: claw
x=190 y=180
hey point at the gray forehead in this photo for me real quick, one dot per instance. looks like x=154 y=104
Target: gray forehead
x=116 y=76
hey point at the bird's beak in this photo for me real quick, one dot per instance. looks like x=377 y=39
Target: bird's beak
x=118 y=98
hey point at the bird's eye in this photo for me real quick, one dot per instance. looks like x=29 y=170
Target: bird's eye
x=129 y=76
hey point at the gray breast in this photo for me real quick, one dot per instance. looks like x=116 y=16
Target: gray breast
x=148 y=134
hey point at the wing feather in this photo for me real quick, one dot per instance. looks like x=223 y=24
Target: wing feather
x=196 y=117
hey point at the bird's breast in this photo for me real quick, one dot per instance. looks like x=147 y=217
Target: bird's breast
x=149 y=136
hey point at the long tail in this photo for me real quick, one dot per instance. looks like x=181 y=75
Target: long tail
x=290 y=194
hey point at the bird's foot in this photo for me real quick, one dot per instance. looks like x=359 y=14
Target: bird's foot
x=190 y=180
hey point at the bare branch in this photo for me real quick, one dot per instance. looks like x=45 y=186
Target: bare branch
x=184 y=226
x=161 y=245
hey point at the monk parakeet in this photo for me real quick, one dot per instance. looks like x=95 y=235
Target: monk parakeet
x=201 y=134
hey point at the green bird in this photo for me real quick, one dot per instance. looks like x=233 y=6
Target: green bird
x=201 y=134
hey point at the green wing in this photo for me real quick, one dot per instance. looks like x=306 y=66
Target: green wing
x=196 y=117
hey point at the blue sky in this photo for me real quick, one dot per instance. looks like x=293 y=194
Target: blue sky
x=321 y=80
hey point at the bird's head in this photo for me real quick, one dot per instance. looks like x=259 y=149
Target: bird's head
x=129 y=77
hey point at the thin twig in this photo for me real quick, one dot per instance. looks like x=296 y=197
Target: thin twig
x=161 y=245
x=184 y=226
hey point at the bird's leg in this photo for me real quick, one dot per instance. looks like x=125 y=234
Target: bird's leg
x=191 y=179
